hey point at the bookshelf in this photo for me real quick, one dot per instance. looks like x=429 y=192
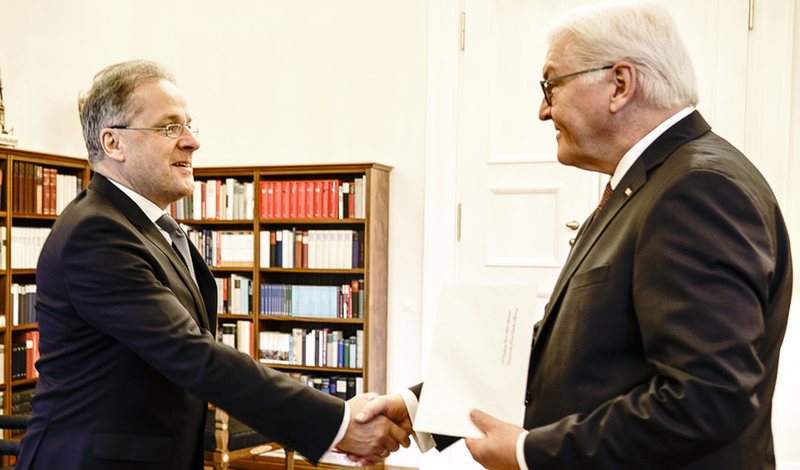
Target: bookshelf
x=231 y=239
x=34 y=188
x=327 y=287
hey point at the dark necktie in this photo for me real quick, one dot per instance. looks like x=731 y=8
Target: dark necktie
x=178 y=238
x=606 y=194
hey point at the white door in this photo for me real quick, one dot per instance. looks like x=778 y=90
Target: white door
x=518 y=205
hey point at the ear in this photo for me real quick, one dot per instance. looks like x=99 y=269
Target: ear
x=625 y=80
x=111 y=145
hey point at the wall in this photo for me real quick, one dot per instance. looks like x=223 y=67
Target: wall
x=786 y=419
x=283 y=81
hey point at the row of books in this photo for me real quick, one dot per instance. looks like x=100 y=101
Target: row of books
x=27 y=243
x=230 y=199
x=238 y=335
x=224 y=248
x=312 y=347
x=344 y=387
x=311 y=249
x=42 y=190
x=343 y=301
x=23 y=304
x=234 y=295
x=24 y=354
x=313 y=199
x=21 y=401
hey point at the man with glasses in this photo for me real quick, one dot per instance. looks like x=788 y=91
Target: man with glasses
x=127 y=323
x=659 y=345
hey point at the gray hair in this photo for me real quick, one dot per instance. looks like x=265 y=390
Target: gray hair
x=642 y=33
x=108 y=103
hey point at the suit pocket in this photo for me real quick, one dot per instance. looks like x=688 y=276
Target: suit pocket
x=587 y=278
x=131 y=447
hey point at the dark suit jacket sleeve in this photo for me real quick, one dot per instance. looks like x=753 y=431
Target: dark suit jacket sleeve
x=112 y=281
x=704 y=260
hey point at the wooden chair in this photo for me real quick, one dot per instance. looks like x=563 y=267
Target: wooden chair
x=228 y=439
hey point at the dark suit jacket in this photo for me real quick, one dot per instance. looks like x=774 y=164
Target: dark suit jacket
x=659 y=346
x=128 y=356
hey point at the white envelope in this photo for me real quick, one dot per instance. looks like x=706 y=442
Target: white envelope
x=479 y=358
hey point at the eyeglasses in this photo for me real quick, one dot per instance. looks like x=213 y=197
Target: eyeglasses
x=547 y=85
x=173 y=131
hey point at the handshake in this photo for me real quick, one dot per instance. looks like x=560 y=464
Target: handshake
x=379 y=425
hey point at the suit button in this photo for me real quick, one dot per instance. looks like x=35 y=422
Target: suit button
x=527 y=397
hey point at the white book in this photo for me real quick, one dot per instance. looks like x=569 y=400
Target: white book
x=243 y=329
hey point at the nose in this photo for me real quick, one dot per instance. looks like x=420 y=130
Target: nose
x=544 y=111
x=188 y=141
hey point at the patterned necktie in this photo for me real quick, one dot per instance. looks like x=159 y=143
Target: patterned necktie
x=178 y=238
x=606 y=194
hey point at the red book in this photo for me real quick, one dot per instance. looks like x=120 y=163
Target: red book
x=31 y=339
x=309 y=200
x=301 y=200
x=298 y=249
x=262 y=199
x=326 y=200
x=317 y=199
x=277 y=203
x=333 y=196
x=286 y=194
x=270 y=199
x=305 y=250
x=293 y=203
x=351 y=202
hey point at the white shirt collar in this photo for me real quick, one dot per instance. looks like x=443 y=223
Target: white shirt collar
x=150 y=209
x=633 y=154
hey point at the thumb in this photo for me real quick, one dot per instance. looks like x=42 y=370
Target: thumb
x=373 y=408
x=483 y=421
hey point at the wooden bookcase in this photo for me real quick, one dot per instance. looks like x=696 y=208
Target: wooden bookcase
x=18 y=211
x=27 y=201
x=373 y=269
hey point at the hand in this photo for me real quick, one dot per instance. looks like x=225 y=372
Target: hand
x=391 y=406
x=498 y=450
x=372 y=441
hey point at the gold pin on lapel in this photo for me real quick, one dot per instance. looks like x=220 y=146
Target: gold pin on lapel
x=628 y=192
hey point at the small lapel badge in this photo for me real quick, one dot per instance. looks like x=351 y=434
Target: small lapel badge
x=628 y=192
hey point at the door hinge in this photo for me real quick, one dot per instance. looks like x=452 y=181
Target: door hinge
x=458 y=222
x=463 y=31
x=751 y=15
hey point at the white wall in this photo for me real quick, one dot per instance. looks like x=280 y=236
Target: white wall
x=268 y=82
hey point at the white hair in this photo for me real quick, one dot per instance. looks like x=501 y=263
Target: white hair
x=642 y=33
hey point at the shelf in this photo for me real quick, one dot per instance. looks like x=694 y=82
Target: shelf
x=25 y=327
x=215 y=222
x=290 y=319
x=312 y=271
x=17 y=383
x=311 y=221
x=294 y=367
x=30 y=216
x=21 y=272
x=226 y=269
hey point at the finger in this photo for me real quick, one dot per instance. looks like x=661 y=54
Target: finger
x=482 y=420
x=375 y=407
x=399 y=435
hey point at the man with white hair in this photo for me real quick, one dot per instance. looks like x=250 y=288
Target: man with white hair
x=659 y=345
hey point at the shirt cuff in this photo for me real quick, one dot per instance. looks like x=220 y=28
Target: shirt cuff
x=342 y=427
x=424 y=440
x=521 y=451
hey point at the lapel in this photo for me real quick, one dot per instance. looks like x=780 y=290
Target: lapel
x=685 y=130
x=149 y=230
